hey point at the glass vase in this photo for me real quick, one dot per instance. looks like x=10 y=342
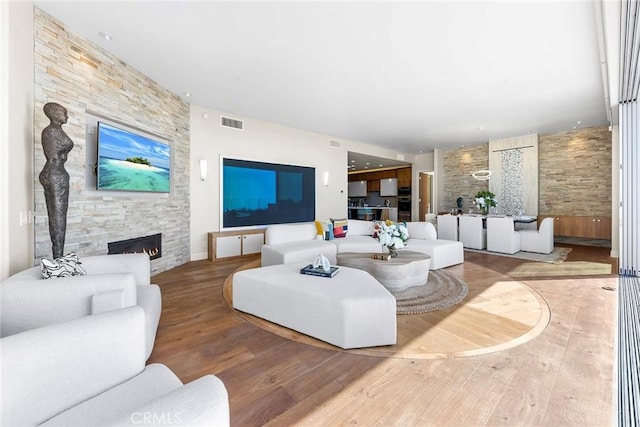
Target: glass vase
x=393 y=252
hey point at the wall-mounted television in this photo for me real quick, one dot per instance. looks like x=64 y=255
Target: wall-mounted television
x=258 y=193
x=132 y=162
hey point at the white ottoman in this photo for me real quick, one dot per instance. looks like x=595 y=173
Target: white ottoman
x=350 y=310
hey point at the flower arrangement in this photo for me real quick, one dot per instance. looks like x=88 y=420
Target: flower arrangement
x=485 y=199
x=391 y=234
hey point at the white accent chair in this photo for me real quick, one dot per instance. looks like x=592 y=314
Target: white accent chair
x=29 y=301
x=472 y=234
x=448 y=227
x=539 y=241
x=502 y=236
x=91 y=371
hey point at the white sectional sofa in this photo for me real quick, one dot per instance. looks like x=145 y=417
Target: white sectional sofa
x=287 y=243
x=424 y=238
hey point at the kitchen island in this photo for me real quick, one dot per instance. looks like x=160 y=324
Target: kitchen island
x=373 y=213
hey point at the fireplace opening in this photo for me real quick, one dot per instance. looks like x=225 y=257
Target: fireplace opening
x=150 y=245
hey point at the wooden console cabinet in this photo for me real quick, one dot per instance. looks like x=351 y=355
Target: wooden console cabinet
x=590 y=227
x=225 y=244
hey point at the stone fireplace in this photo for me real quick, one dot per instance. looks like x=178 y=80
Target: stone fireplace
x=150 y=245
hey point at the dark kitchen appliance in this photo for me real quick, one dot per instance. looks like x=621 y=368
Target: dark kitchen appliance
x=404 y=207
x=404 y=191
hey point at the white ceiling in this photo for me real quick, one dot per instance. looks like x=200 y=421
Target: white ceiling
x=409 y=76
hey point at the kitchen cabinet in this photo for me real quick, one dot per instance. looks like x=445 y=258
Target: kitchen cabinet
x=388 y=187
x=358 y=189
x=404 y=177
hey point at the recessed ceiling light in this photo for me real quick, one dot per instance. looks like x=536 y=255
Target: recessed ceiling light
x=481 y=128
x=579 y=121
x=419 y=151
x=380 y=166
x=105 y=36
x=367 y=163
x=353 y=161
x=187 y=94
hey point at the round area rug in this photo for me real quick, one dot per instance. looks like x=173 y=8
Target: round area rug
x=494 y=316
x=442 y=290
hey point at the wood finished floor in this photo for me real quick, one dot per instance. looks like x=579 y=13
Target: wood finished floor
x=493 y=316
x=564 y=376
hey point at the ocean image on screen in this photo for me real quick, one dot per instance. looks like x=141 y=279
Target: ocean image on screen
x=257 y=193
x=127 y=161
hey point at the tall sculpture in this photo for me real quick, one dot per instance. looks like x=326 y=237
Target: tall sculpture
x=54 y=177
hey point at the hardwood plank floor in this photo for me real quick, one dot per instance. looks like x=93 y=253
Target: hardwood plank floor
x=564 y=376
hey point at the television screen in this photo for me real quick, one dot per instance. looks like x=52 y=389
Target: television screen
x=132 y=162
x=258 y=193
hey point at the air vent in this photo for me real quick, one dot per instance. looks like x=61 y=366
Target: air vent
x=335 y=144
x=231 y=123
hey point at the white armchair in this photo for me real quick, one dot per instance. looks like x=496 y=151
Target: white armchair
x=448 y=227
x=540 y=241
x=91 y=371
x=29 y=301
x=472 y=233
x=502 y=236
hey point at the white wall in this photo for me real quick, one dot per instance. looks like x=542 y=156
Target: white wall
x=16 y=145
x=262 y=141
x=269 y=142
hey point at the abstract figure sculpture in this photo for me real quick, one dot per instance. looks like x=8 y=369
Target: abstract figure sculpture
x=54 y=178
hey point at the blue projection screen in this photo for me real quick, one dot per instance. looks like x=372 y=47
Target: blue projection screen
x=258 y=193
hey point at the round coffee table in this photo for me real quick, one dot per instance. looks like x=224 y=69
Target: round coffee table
x=396 y=274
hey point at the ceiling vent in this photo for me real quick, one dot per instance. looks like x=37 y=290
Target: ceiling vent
x=231 y=123
x=335 y=144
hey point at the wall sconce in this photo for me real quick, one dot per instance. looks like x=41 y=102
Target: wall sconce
x=203 y=169
x=325 y=178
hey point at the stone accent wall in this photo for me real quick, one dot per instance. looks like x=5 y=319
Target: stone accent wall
x=458 y=165
x=87 y=80
x=575 y=173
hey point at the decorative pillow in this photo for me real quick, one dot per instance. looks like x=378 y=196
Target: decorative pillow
x=340 y=227
x=65 y=266
x=319 y=229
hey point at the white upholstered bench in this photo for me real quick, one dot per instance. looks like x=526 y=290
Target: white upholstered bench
x=349 y=310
